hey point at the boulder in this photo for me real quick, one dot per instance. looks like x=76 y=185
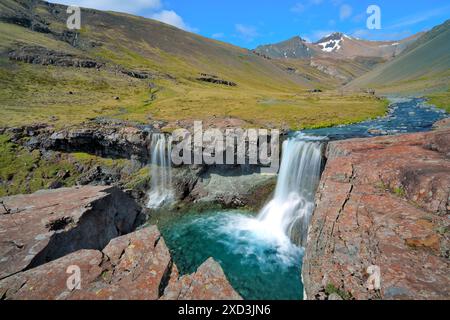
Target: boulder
x=137 y=266
x=442 y=124
x=382 y=202
x=207 y=283
x=47 y=225
x=231 y=186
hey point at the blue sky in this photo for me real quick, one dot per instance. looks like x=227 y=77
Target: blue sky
x=248 y=23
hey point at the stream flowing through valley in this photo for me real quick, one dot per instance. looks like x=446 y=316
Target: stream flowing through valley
x=261 y=253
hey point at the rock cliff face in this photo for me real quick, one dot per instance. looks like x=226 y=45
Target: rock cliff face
x=47 y=225
x=47 y=234
x=241 y=185
x=382 y=202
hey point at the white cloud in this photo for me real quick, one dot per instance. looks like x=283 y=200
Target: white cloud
x=345 y=11
x=298 y=8
x=423 y=16
x=246 y=32
x=336 y=2
x=172 y=18
x=130 y=6
x=148 y=8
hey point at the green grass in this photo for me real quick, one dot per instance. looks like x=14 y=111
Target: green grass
x=399 y=191
x=31 y=94
x=440 y=99
x=23 y=171
x=330 y=288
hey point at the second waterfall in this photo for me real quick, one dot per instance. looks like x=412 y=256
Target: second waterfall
x=161 y=191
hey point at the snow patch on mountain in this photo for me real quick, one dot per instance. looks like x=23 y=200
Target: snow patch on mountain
x=331 y=45
x=332 y=42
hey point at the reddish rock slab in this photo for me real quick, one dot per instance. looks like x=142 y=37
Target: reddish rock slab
x=136 y=266
x=382 y=202
x=46 y=225
x=207 y=283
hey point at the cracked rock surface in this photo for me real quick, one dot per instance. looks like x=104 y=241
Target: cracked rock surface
x=47 y=225
x=50 y=236
x=383 y=202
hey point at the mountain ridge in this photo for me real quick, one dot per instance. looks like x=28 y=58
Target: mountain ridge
x=423 y=67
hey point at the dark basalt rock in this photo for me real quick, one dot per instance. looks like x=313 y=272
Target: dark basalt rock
x=214 y=79
x=138 y=74
x=44 y=56
x=108 y=141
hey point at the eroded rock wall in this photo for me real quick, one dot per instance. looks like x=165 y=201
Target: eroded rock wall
x=382 y=202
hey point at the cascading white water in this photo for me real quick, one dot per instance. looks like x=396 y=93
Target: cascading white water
x=289 y=212
x=161 y=191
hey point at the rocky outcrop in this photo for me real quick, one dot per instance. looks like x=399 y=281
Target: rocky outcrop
x=49 y=236
x=136 y=266
x=231 y=187
x=214 y=79
x=382 y=202
x=110 y=141
x=138 y=74
x=207 y=283
x=442 y=124
x=44 y=56
x=47 y=225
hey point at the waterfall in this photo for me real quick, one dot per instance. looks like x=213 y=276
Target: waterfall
x=290 y=210
x=161 y=191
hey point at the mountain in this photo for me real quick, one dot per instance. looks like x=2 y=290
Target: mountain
x=349 y=47
x=295 y=48
x=336 y=45
x=423 y=67
x=338 y=55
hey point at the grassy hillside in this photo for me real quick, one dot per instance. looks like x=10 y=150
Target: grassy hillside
x=440 y=99
x=266 y=93
x=423 y=68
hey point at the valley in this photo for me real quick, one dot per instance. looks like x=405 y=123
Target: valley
x=87 y=178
